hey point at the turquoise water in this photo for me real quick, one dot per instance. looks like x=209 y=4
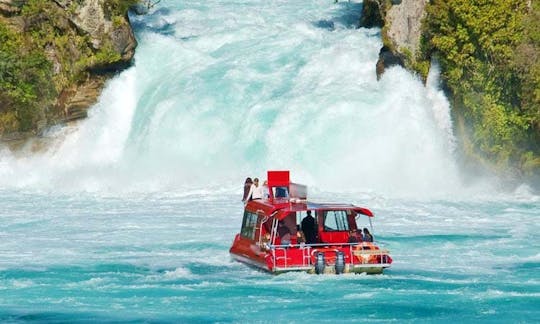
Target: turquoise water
x=128 y=216
x=164 y=258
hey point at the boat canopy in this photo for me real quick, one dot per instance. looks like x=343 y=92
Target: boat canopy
x=284 y=212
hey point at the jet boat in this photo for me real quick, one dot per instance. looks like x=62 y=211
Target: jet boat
x=285 y=232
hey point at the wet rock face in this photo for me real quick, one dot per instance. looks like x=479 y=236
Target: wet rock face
x=387 y=59
x=124 y=42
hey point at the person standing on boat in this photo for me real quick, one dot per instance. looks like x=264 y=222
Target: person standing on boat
x=247 y=187
x=256 y=191
x=309 y=228
x=266 y=192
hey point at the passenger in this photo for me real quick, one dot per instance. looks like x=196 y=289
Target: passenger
x=367 y=236
x=266 y=242
x=247 y=187
x=300 y=237
x=309 y=228
x=266 y=193
x=353 y=236
x=256 y=191
x=284 y=233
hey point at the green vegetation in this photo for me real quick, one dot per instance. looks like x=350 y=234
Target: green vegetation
x=489 y=54
x=42 y=54
x=24 y=80
x=118 y=7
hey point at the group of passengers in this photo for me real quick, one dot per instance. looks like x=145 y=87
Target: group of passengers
x=357 y=237
x=254 y=191
x=307 y=232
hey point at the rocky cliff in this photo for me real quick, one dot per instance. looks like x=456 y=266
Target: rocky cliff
x=401 y=22
x=55 y=57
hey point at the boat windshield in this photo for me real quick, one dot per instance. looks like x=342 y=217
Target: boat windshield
x=335 y=220
x=280 y=192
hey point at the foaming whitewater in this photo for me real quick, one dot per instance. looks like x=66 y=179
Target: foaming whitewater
x=220 y=91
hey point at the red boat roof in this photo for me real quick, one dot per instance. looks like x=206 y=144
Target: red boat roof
x=285 y=207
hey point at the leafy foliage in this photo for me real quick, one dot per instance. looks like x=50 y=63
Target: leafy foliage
x=24 y=81
x=489 y=56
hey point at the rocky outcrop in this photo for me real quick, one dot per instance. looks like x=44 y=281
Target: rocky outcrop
x=372 y=14
x=83 y=43
x=404 y=22
x=401 y=22
x=387 y=58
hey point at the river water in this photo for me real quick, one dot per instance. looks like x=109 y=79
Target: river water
x=128 y=216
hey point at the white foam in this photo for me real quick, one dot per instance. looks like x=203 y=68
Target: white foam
x=234 y=93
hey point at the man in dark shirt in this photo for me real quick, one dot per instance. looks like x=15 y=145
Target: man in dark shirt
x=309 y=228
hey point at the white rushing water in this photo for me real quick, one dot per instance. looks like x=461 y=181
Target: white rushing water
x=220 y=92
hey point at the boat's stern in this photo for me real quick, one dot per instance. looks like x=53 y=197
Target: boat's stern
x=349 y=258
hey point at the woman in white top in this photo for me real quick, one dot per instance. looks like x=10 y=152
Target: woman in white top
x=256 y=191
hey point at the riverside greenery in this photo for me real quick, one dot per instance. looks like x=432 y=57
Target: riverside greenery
x=30 y=81
x=489 y=52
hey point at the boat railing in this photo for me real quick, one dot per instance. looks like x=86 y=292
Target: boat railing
x=366 y=253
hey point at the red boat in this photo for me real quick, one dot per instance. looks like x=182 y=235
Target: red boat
x=285 y=232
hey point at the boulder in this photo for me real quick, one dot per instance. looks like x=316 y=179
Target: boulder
x=387 y=58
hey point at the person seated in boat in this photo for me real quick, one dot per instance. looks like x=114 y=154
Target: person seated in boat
x=300 y=237
x=256 y=191
x=309 y=228
x=284 y=233
x=355 y=237
x=265 y=242
x=367 y=235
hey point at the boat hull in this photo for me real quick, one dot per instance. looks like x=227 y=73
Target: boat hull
x=283 y=260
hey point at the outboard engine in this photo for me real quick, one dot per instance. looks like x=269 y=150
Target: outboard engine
x=319 y=263
x=340 y=262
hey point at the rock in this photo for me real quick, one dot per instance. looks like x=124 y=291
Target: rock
x=371 y=14
x=75 y=101
x=90 y=19
x=124 y=41
x=140 y=9
x=11 y=7
x=387 y=58
x=403 y=22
